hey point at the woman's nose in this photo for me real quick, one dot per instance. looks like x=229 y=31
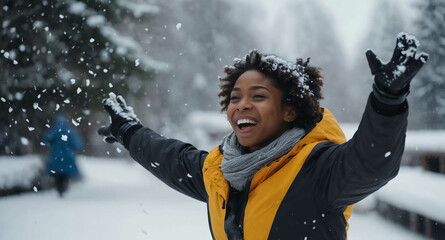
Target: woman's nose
x=244 y=105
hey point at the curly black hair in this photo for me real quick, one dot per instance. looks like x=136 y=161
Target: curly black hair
x=299 y=82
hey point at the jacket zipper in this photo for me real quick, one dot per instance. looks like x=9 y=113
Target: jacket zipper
x=245 y=198
x=224 y=202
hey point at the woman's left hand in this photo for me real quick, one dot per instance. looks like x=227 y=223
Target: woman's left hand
x=392 y=80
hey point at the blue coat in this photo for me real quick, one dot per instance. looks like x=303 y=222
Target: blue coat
x=64 y=142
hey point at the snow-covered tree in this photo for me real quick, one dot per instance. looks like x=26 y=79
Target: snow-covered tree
x=304 y=29
x=196 y=38
x=65 y=55
x=429 y=88
x=385 y=23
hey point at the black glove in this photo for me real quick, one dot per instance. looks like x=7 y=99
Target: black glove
x=392 y=80
x=122 y=118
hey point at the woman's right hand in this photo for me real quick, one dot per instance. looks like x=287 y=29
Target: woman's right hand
x=122 y=118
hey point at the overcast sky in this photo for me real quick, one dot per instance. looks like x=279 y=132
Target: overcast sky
x=351 y=18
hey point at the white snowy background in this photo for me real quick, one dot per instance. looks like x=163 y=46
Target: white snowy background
x=117 y=199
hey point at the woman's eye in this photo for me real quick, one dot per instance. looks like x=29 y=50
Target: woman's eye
x=258 y=96
x=234 y=98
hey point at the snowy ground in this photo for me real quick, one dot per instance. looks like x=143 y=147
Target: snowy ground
x=118 y=199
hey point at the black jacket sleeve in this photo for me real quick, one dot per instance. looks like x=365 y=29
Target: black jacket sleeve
x=176 y=163
x=344 y=174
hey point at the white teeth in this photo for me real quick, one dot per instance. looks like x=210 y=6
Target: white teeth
x=242 y=121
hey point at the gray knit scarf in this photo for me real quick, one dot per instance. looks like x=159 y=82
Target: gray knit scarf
x=239 y=167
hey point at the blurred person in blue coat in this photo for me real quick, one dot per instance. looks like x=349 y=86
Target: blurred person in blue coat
x=65 y=142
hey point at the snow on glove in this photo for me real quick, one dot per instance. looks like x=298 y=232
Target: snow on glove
x=122 y=118
x=392 y=80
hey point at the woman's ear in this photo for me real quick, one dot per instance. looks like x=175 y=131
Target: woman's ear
x=289 y=114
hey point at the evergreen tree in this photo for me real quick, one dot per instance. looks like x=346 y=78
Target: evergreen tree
x=196 y=38
x=385 y=24
x=303 y=29
x=64 y=55
x=429 y=88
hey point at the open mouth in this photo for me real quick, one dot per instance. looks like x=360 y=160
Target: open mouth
x=245 y=123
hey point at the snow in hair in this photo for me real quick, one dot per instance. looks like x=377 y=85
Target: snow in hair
x=296 y=70
x=300 y=83
x=278 y=64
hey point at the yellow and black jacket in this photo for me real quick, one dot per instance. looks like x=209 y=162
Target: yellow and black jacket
x=306 y=194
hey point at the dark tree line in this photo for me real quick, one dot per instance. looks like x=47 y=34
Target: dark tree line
x=67 y=55
x=427 y=97
x=430 y=86
x=60 y=56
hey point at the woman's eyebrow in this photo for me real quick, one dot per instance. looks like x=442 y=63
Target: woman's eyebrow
x=236 y=89
x=258 y=87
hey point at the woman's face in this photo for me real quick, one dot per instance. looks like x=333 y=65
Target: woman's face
x=256 y=112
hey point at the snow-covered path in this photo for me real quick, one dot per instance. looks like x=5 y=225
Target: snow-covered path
x=118 y=199
x=115 y=200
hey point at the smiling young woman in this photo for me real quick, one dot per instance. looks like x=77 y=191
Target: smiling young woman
x=256 y=111
x=286 y=170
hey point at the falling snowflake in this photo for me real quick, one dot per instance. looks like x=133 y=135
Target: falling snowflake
x=24 y=141
x=74 y=122
x=36 y=106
